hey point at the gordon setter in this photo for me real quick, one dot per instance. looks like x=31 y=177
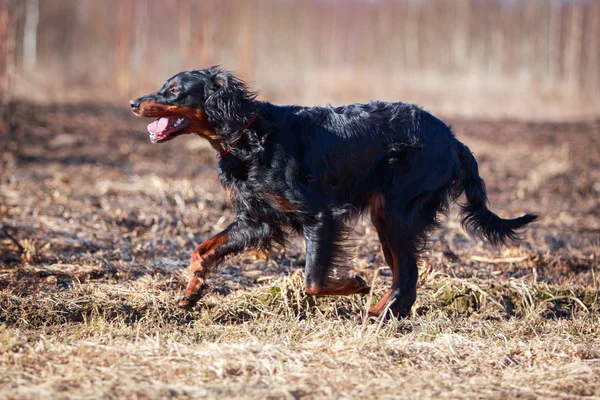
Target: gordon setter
x=312 y=170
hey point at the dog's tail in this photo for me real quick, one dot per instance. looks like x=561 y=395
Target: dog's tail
x=477 y=219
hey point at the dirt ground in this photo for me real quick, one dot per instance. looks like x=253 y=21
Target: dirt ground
x=98 y=225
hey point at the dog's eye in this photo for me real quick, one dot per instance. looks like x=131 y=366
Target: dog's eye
x=174 y=90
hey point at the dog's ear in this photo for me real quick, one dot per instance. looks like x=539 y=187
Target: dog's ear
x=215 y=82
x=228 y=103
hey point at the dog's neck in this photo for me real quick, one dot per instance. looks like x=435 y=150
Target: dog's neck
x=215 y=142
x=232 y=127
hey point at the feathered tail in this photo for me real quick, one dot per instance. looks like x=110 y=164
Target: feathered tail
x=477 y=219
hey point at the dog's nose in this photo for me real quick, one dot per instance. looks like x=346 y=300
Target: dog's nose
x=134 y=104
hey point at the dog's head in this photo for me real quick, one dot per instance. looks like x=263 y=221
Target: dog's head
x=201 y=101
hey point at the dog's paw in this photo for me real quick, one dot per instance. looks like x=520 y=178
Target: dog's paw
x=188 y=302
x=363 y=287
x=362 y=317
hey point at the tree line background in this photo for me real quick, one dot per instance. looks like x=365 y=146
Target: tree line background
x=468 y=57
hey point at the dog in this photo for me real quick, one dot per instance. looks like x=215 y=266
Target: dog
x=313 y=170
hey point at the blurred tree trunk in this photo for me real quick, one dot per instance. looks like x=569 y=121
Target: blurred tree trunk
x=411 y=36
x=141 y=70
x=591 y=77
x=122 y=47
x=185 y=33
x=3 y=45
x=32 y=16
x=8 y=31
x=574 y=47
x=460 y=44
x=553 y=43
x=247 y=40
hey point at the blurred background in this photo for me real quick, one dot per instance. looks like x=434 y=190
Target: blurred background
x=97 y=224
x=531 y=59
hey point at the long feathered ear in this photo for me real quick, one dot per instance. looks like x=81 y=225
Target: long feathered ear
x=216 y=80
x=228 y=101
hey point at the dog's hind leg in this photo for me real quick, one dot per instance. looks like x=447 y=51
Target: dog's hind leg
x=403 y=293
x=401 y=228
x=324 y=252
x=379 y=220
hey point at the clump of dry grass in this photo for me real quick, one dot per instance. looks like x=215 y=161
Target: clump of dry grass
x=151 y=301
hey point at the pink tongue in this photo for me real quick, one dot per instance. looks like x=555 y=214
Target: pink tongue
x=159 y=126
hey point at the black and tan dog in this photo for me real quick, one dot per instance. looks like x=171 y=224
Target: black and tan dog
x=311 y=170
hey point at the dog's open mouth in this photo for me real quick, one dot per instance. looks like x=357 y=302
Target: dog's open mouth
x=165 y=128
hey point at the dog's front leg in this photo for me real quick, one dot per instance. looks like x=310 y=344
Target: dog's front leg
x=204 y=258
x=241 y=236
x=324 y=250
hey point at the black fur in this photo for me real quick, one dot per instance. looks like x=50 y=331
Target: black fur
x=312 y=170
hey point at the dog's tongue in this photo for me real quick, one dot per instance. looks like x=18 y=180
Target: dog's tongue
x=160 y=125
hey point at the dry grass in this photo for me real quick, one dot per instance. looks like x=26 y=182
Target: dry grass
x=102 y=224
x=469 y=338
